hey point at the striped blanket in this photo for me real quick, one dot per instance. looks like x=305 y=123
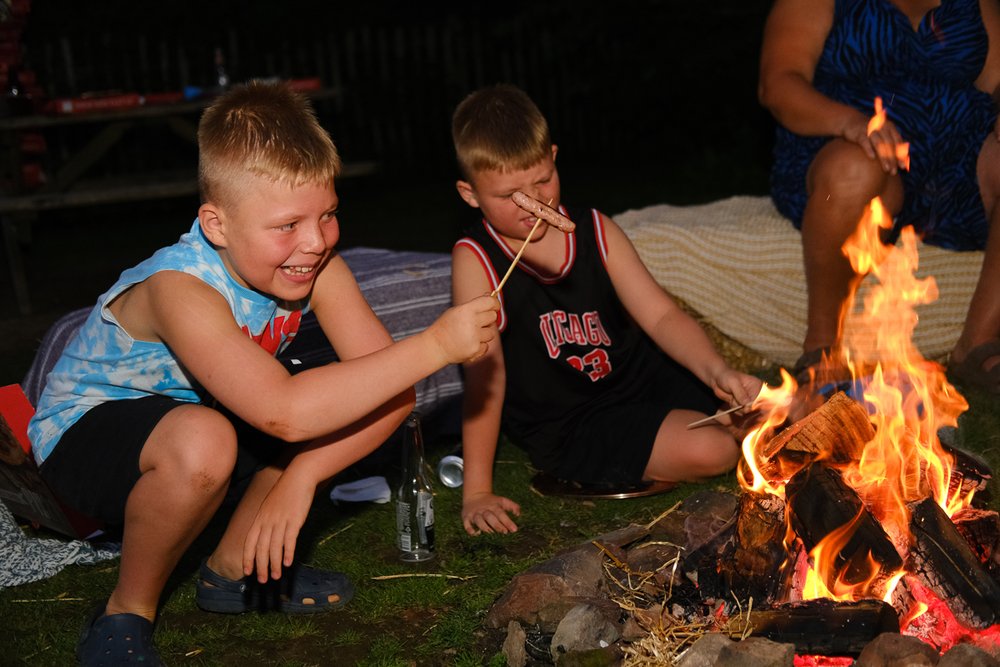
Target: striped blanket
x=738 y=263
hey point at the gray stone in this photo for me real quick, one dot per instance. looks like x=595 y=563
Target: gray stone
x=638 y=622
x=524 y=596
x=708 y=512
x=584 y=627
x=670 y=528
x=705 y=651
x=623 y=536
x=719 y=504
x=513 y=645
x=651 y=557
x=757 y=652
x=551 y=614
x=891 y=649
x=966 y=655
x=576 y=572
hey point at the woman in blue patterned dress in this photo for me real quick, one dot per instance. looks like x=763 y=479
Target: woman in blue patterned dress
x=936 y=66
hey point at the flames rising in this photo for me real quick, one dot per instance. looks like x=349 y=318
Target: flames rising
x=877 y=122
x=907 y=397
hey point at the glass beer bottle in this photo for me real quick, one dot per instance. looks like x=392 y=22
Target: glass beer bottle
x=414 y=498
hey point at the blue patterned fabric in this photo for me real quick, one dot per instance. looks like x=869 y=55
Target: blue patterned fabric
x=925 y=78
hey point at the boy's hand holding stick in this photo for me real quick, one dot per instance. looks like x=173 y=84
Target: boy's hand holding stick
x=549 y=215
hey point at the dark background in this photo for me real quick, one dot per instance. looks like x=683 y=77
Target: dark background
x=650 y=101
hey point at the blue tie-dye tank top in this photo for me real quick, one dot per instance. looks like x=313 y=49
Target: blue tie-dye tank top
x=103 y=363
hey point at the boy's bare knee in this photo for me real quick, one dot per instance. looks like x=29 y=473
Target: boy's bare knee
x=727 y=455
x=196 y=442
x=717 y=453
x=692 y=456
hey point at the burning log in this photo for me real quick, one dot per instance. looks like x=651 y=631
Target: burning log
x=753 y=566
x=839 y=428
x=823 y=627
x=943 y=561
x=821 y=503
x=969 y=474
x=981 y=530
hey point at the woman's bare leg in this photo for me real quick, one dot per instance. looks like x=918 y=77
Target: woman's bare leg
x=982 y=323
x=842 y=180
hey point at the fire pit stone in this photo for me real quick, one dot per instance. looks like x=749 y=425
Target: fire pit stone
x=895 y=649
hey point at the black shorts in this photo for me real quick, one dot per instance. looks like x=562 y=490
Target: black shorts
x=96 y=461
x=612 y=442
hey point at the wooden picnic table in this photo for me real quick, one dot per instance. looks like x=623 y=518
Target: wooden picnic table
x=70 y=185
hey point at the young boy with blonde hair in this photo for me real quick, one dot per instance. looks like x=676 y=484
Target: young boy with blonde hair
x=170 y=394
x=596 y=372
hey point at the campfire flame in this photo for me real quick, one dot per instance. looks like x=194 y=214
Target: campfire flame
x=908 y=399
x=823 y=558
x=877 y=122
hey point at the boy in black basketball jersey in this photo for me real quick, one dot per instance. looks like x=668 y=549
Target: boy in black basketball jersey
x=597 y=372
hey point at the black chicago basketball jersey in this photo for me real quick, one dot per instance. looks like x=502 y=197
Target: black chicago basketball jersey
x=567 y=340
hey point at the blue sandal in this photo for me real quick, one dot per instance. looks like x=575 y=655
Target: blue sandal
x=301 y=590
x=118 y=639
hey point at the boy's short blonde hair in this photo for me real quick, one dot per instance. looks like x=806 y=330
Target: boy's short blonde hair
x=262 y=129
x=499 y=128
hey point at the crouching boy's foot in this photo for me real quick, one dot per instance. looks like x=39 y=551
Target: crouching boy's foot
x=301 y=590
x=117 y=639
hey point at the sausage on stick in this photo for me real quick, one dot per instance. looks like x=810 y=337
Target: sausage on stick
x=544 y=212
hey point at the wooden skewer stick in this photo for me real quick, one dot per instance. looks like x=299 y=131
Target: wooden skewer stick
x=712 y=418
x=517 y=257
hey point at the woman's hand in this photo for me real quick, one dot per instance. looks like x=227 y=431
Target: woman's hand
x=882 y=144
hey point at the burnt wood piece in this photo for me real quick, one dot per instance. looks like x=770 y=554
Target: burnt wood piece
x=941 y=560
x=969 y=473
x=701 y=565
x=823 y=627
x=709 y=534
x=819 y=503
x=840 y=428
x=904 y=601
x=753 y=569
x=981 y=530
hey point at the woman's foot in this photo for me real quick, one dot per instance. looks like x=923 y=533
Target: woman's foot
x=979 y=367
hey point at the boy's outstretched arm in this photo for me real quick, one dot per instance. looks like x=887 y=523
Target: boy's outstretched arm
x=673 y=330
x=482 y=404
x=196 y=322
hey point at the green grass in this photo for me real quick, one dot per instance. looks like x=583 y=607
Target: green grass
x=408 y=620
x=396 y=621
